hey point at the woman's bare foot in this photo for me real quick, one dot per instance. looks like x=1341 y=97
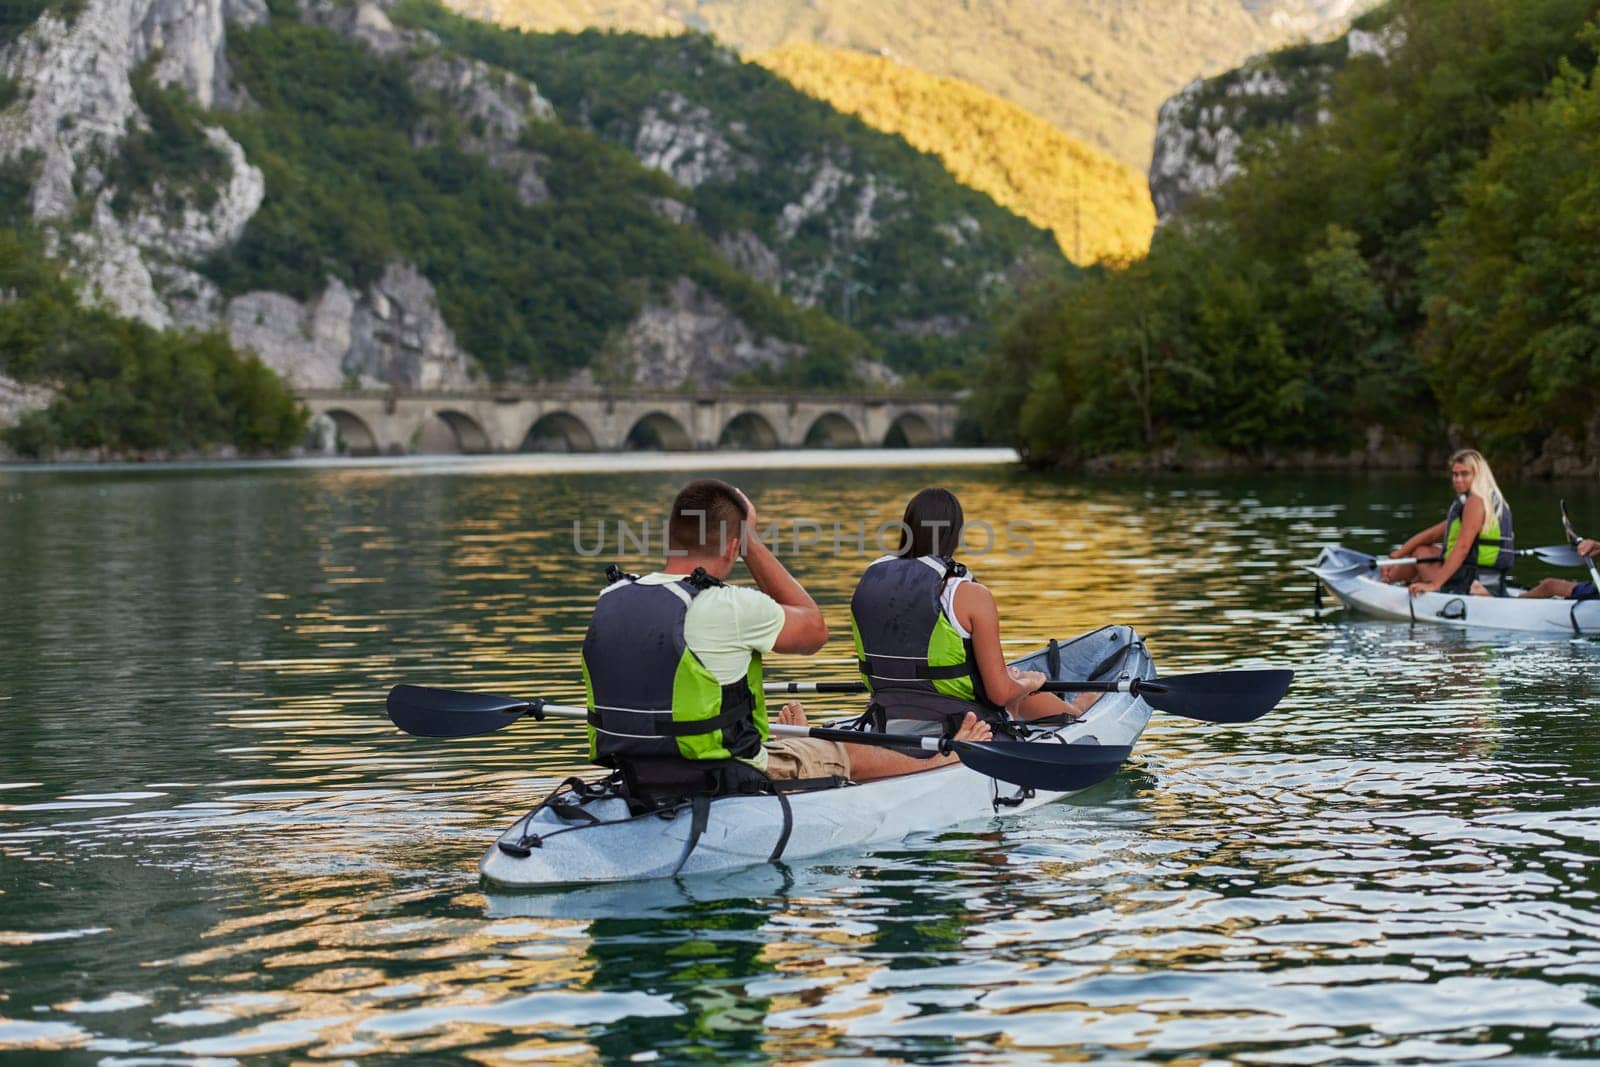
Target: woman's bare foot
x=974 y=729
x=793 y=714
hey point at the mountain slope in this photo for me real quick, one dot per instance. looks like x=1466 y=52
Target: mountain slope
x=364 y=202
x=1097 y=69
x=837 y=216
x=1096 y=207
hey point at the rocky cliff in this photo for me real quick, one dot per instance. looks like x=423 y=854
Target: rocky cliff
x=78 y=107
x=1200 y=131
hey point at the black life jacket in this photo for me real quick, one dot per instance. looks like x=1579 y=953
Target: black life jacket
x=651 y=700
x=914 y=661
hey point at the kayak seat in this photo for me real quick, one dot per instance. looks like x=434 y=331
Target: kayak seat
x=653 y=784
x=1495 y=582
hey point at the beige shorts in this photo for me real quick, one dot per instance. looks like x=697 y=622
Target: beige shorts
x=789 y=758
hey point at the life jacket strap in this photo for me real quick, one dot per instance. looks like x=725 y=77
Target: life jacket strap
x=909 y=670
x=668 y=728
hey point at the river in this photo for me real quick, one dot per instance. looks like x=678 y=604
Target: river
x=213 y=845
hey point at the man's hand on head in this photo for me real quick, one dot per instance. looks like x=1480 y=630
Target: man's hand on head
x=751 y=534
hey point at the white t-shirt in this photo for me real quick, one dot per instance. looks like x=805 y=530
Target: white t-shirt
x=725 y=624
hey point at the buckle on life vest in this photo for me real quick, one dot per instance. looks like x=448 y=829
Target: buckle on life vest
x=701 y=580
x=615 y=574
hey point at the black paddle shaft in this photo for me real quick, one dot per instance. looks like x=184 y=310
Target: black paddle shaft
x=427 y=712
x=1218 y=697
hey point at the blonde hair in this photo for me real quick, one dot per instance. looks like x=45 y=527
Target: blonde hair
x=1484 y=487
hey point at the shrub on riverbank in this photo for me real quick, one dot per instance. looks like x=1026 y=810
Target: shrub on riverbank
x=122 y=386
x=1366 y=272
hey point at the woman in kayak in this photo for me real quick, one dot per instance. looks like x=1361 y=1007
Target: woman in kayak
x=927 y=635
x=1475 y=537
x=1561 y=588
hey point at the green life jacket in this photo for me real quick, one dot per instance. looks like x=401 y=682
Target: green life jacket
x=1495 y=547
x=650 y=698
x=911 y=656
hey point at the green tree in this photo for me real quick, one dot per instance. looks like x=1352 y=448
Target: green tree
x=1513 y=334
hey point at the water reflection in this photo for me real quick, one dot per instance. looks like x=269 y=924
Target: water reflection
x=212 y=844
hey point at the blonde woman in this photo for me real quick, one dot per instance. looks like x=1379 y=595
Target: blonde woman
x=1475 y=538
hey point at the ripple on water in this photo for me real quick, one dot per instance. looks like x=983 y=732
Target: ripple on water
x=230 y=853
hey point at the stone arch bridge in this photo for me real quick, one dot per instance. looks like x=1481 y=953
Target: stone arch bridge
x=373 y=422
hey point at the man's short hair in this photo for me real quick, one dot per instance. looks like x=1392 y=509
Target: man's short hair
x=705 y=516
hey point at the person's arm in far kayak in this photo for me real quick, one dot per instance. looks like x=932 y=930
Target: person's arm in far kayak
x=1433 y=535
x=804 y=629
x=1472 y=518
x=1016 y=691
x=1589 y=549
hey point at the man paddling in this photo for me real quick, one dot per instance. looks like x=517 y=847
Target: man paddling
x=672 y=660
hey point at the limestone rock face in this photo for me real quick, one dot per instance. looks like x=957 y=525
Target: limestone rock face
x=365 y=22
x=391 y=334
x=78 y=107
x=690 y=336
x=79 y=103
x=497 y=106
x=683 y=141
x=746 y=252
x=1298 y=18
x=19 y=398
x=1200 y=131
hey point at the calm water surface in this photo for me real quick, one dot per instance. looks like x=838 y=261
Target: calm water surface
x=214 y=847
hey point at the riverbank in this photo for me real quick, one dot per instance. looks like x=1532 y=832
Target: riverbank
x=1561 y=458
x=567 y=462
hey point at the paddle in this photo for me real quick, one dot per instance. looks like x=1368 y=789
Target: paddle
x=1554 y=555
x=1058 y=768
x=1572 y=535
x=1220 y=696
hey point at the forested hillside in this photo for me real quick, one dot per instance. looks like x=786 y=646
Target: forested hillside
x=1097 y=208
x=836 y=215
x=1096 y=69
x=1418 y=268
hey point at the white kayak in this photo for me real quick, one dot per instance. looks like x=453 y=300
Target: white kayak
x=553 y=846
x=1354 y=578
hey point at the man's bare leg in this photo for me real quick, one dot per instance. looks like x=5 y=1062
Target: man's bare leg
x=870 y=762
x=1550 y=589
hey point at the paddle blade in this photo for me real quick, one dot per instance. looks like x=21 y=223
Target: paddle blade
x=1557 y=556
x=1038 y=765
x=425 y=712
x=1221 y=696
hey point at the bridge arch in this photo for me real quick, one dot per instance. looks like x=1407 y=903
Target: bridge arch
x=558 y=431
x=832 y=430
x=660 y=432
x=447 y=430
x=748 y=430
x=351 y=434
x=910 y=430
